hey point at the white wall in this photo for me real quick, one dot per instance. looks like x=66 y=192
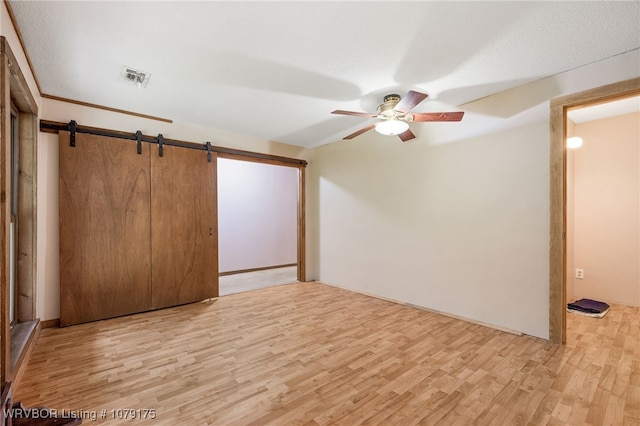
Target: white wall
x=461 y=228
x=605 y=185
x=257 y=215
x=48 y=283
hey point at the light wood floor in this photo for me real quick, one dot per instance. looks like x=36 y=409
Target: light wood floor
x=313 y=354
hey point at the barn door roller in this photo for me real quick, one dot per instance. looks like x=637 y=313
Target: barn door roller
x=73 y=127
x=139 y=141
x=160 y=145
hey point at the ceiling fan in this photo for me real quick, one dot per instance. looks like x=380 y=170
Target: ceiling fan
x=395 y=116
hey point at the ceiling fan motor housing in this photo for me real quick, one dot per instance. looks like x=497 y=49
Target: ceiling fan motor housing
x=386 y=109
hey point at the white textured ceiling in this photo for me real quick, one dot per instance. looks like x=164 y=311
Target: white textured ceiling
x=277 y=69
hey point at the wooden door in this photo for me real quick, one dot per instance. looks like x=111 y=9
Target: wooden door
x=183 y=227
x=105 y=259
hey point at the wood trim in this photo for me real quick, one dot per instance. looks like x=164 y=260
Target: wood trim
x=600 y=95
x=12 y=17
x=13 y=86
x=26 y=113
x=557 y=226
x=233 y=154
x=105 y=108
x=263 y=268
x=257 y=157
x=5 y=210
x=20 y=92
x=27 y=216
x=22 y=357
x=557 y=161
x=302 y=241
x=48 y=126
x=52 y=323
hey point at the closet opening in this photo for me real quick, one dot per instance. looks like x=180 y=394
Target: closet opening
x=259 y=224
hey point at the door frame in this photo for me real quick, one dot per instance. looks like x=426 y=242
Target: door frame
x=558 y=198
x=15 y=90
x=301 y=225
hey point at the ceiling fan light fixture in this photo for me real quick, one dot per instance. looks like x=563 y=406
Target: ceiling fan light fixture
x=392 y=127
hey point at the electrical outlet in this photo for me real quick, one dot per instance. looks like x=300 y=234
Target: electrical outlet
x=580 y=274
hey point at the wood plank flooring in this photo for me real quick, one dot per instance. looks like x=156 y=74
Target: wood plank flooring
x=312 y=354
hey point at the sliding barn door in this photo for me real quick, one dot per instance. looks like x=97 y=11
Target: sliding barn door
x=105 y=251
x=183 y=227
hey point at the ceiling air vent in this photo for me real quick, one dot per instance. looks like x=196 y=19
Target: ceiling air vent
x=137 y=77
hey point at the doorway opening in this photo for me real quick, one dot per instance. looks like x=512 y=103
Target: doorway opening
x=258 y=225
x=603 y=211
x=558 y=193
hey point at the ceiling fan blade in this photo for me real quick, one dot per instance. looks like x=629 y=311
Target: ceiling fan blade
x=410 y=100
x=359 y=132
x=357 y=114
x=407 y=135
x=438 y=116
